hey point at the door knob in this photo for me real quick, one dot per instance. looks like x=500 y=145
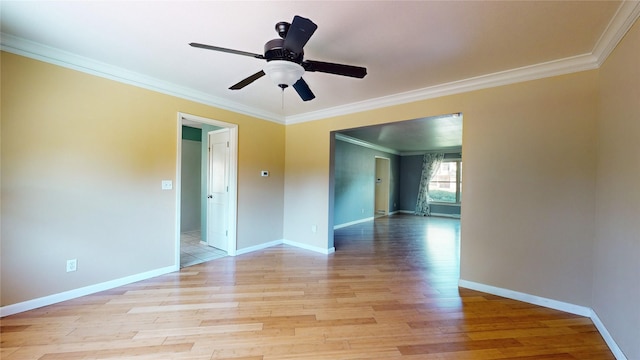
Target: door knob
x=210 y=197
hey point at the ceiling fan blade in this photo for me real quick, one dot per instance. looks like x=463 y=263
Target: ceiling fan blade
x=299 y=33
x=337 y=69
x=303 y=90
x=248 y=80
x=231 y=51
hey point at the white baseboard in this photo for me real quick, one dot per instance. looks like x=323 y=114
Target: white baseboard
x=335 y=227
x=550 y=303
x=615 y=349
x=76 y=293
x=286 y=242
x=258 y=247
x=92 y=289
x=310 y=247
x=528 y=298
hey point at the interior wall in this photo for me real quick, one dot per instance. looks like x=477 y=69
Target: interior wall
x=354 y=177
x=527 y=219
x=190 y=186
x=616 y=288
x=79 y=181
x=411 y=168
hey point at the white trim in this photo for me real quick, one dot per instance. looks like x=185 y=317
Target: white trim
x=552 y=304
x=526 y=73
x=335 y=227
x=412 y=212
x=286 y=242
x=625 y=17
x=258 y=247
x=365 y=144
x=178 y=192
x=34 y=50
x=621 y=22
x=446 y=150
x=528 y=298
x=87 y=290
x=310 y=247
x=615 y=349
x=233 y=190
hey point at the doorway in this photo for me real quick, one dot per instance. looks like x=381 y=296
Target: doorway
x=404 y=143
x=213 y=214
x=382 y=177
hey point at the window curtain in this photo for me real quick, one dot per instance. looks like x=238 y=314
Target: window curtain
x=430 y=164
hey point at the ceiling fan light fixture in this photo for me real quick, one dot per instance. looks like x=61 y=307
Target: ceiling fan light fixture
x=283 y=73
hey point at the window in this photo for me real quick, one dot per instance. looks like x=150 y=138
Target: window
x=445 y=185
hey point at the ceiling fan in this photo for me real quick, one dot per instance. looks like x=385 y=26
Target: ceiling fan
x=285 y=59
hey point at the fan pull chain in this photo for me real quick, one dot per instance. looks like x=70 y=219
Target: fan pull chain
x=282 y=99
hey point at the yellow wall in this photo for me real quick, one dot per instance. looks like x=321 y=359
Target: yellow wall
x=82 y=162
x=617 y=248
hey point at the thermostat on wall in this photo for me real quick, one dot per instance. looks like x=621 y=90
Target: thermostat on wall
x=264 y=173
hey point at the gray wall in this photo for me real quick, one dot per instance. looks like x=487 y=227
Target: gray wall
x=190 y=186
x=190 y=160
x=411 y=169
x=354 y=174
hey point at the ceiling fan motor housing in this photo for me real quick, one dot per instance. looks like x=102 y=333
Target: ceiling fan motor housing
x=274 y=50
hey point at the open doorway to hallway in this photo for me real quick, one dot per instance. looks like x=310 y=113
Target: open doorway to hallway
x=207 y=225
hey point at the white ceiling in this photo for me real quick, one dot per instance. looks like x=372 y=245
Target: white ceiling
x=412 y=50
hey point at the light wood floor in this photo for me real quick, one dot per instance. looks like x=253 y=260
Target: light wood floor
x=389 y=292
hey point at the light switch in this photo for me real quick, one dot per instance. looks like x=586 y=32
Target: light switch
x=167 y=184
x=264 y=173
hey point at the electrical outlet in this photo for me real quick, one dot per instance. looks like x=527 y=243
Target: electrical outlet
x=167 y=184
x=72 y=265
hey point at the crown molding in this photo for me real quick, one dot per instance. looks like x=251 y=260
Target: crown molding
x=37 y=51
x=625 y=17
x=532 y=72
x=366 y=144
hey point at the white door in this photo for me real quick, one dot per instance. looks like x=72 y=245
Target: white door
x=218 y=190
x=382 y=186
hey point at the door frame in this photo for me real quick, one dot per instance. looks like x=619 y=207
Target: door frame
x=233 y=179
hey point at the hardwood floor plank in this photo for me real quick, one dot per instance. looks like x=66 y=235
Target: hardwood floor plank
x=388 y=292
x=459 y=346
x=198 y=330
